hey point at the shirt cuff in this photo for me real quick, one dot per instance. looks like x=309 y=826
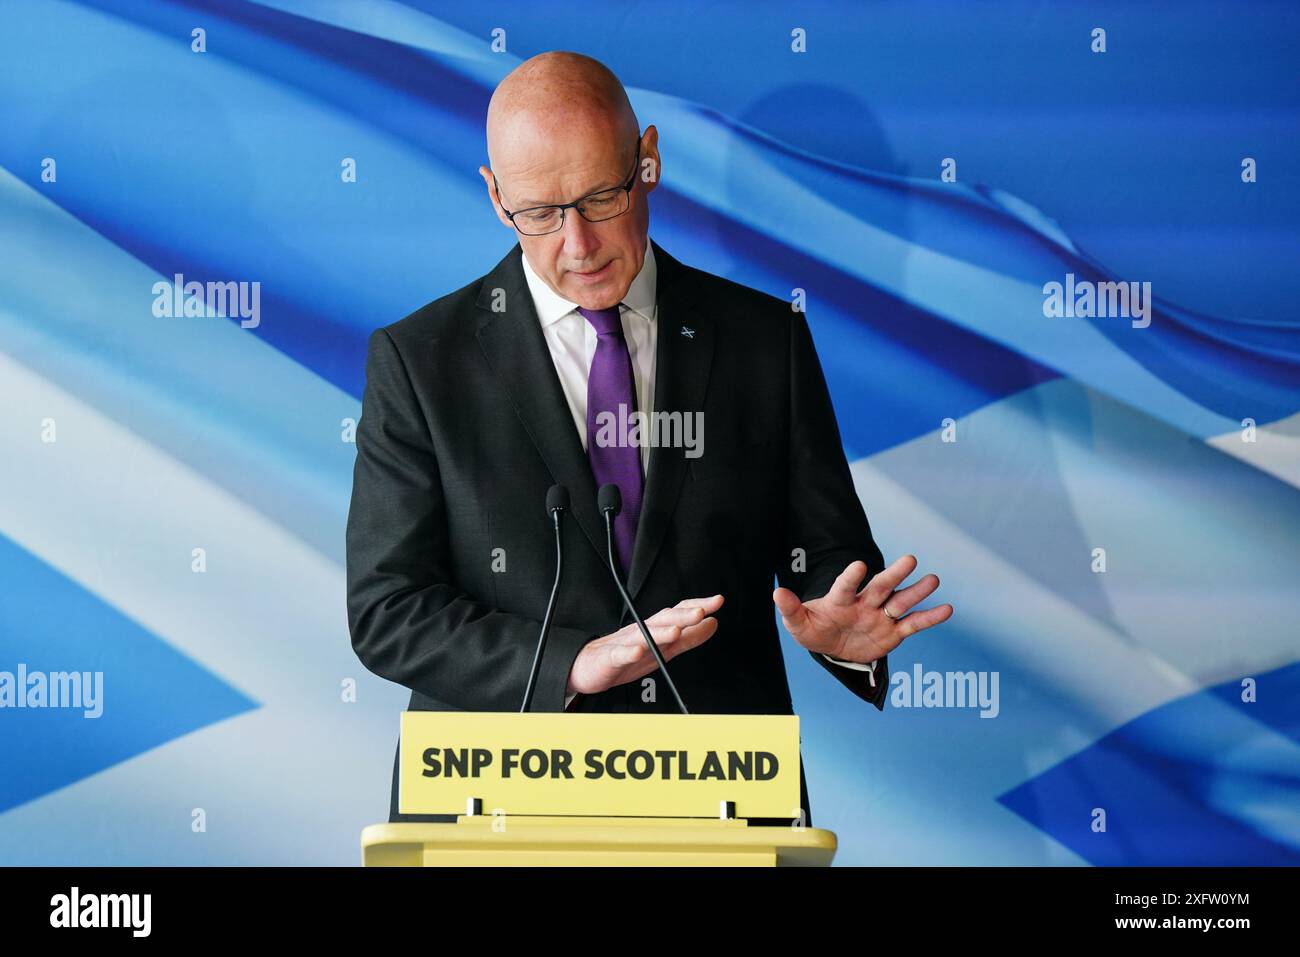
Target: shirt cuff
x=568 y=698
x=869 y=667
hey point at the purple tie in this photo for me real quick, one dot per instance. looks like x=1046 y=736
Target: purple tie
x=609 y=386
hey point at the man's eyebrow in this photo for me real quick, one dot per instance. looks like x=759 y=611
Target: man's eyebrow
x=528 y=203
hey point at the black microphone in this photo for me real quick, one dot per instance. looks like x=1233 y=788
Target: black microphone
x=557 y=503
x=610 y=501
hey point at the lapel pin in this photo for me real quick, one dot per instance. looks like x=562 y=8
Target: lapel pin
x=688 y=332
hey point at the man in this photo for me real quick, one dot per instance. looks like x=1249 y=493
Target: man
x=480 y=401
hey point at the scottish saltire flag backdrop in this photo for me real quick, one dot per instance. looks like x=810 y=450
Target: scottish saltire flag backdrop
x=1049 y=256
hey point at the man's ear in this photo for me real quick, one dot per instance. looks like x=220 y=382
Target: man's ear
x=493 y=198
x=651 y=171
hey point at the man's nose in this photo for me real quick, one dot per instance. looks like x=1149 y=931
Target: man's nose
x=579 y=240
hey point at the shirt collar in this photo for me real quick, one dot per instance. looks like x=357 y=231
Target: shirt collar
x=552 y=307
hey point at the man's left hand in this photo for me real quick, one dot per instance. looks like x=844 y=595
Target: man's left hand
x=862 y=625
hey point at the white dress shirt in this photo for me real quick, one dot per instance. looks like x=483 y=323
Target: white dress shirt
x=572 y=343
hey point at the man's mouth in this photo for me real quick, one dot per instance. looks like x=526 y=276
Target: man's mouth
x=595 y=274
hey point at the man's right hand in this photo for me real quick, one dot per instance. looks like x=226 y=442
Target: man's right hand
x=623 y=656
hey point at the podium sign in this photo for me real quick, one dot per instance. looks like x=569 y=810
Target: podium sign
x=637 y=765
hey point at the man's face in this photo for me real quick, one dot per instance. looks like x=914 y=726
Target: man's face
x=592 y=264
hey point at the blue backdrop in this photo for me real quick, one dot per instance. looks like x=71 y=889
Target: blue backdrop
x=1113 y=506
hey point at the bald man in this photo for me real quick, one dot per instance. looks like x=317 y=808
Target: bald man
x=545 y=371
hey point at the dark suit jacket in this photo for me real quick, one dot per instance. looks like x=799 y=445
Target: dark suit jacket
x=464 y=427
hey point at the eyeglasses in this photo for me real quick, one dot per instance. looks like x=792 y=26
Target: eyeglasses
x=594 y=208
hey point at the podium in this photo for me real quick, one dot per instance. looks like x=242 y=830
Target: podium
x=551 y=790
x=594 y=842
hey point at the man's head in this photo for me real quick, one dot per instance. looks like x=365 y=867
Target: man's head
x=560 y=128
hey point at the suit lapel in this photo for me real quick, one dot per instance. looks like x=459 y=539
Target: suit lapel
x=515 y=347
x=683 y=357
x=511 y=337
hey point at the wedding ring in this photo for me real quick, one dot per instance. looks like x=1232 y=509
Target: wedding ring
x=885 y=609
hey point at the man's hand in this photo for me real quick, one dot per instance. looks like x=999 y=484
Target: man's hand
x=857 y=626
x=623 y=656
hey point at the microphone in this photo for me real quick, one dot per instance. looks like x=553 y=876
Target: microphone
x=610 y=501
x=557 y=503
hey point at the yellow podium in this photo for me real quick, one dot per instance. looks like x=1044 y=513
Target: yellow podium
x=541 y=789
x=594 y=841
